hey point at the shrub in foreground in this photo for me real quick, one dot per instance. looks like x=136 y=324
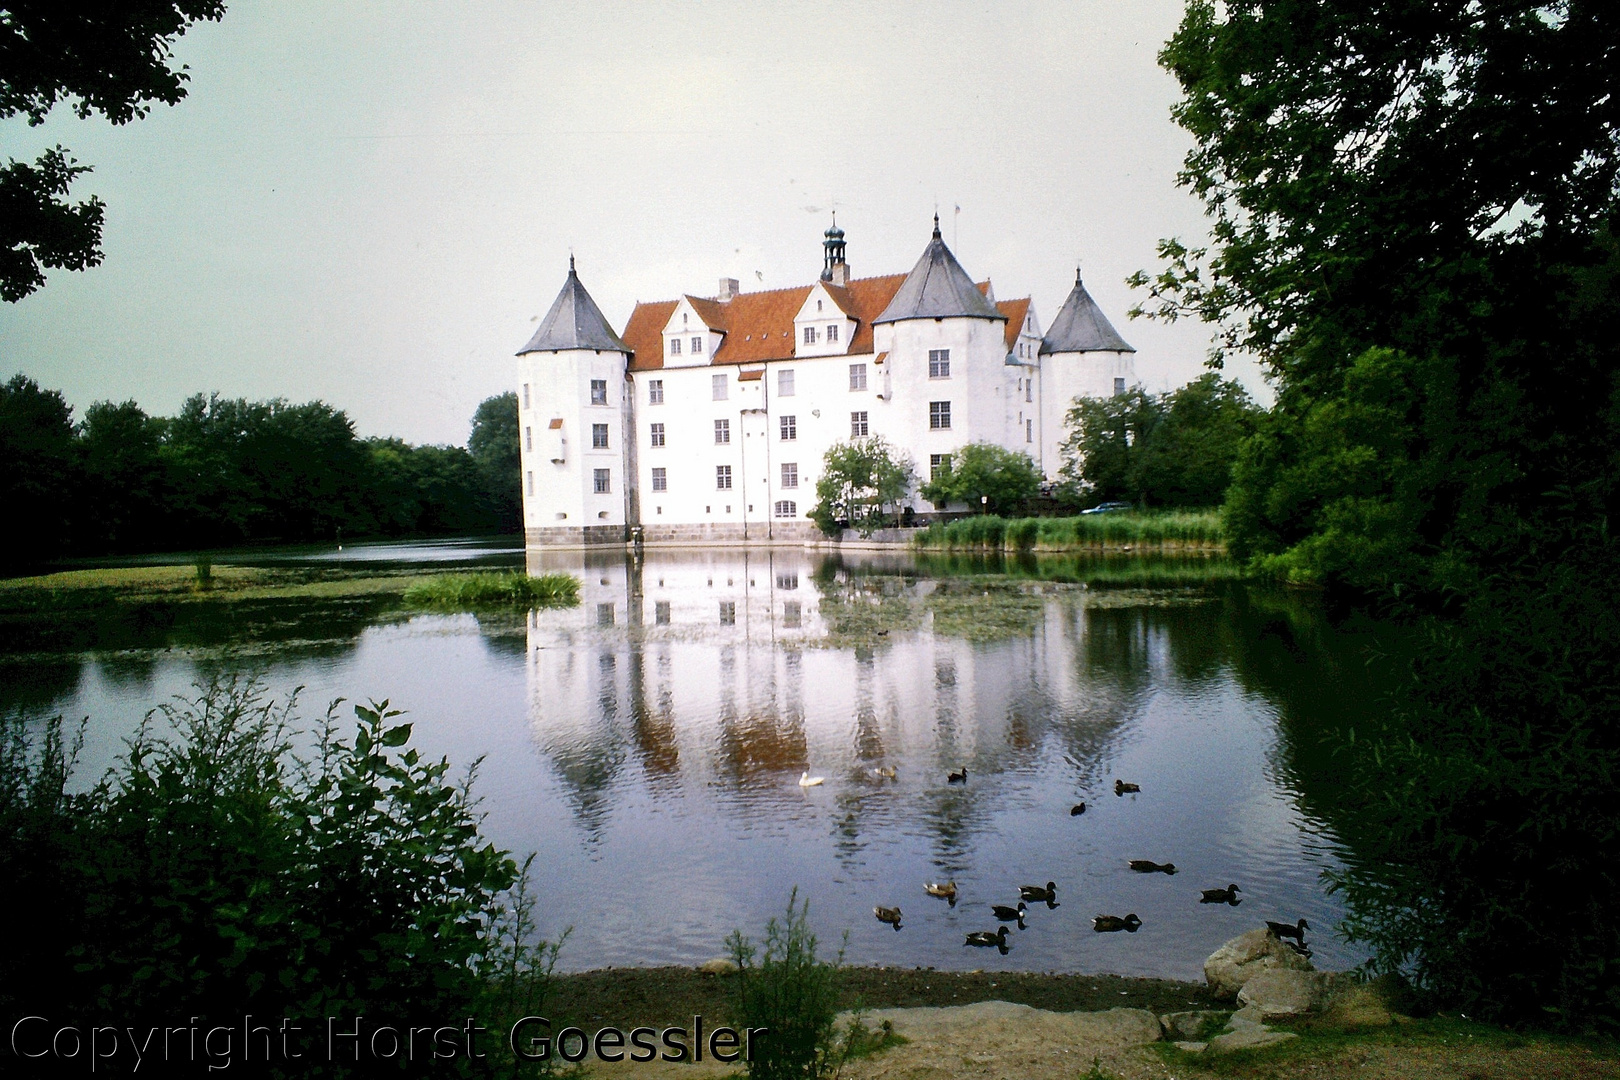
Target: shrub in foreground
x=782 y=986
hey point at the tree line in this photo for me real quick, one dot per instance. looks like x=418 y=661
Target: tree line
x=228 y=471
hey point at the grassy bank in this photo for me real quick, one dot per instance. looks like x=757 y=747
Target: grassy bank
x=1183 y=529
x=493 y=589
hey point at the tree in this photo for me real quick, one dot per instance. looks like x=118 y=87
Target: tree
x=859 y=479
x=985 y=476
x=123 y=496
x=1105 y=437
x=493 y=443
x=1187 y=458
x=41 y=471
x=113 y=59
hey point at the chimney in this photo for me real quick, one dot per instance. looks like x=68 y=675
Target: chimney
x=728 y=290
x=838 y=273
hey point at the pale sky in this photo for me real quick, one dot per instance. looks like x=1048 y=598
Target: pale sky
x=372 y=204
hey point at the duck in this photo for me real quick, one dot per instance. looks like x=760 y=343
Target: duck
x=945 y=890
x=957 y=777
x=1003 y=913
x=1077 y=809
x=984 y=939
x=1148 y=866
x=1301 y=948
x=1047 y=895
x=1283 y=930
x=1122 y=788
x=1227 y=895
x=890 y=915
x=1108 y=924
x=807 y=780
x=887 y=772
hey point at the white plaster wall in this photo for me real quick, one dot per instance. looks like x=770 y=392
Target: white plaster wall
x=560 y=386
x=1066 y=376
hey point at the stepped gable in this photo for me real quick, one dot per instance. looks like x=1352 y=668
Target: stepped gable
x=1015 y=311
x=758 y=326
x=574 y=322
x=938 y=288
x=1080 y=326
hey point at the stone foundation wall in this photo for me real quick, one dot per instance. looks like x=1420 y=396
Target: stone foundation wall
x=730 y=533
x=575 y=536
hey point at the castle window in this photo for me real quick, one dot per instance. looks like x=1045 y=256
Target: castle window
x=660 y=612
x=697 y=346
x=809 y=335
x=528 y=438
x=657 y=435
x=722 y=478
x=531 y=483
x=832 y=333
x=787 y=508
x=525 y=395
x=939 y=416
x=787 y=581
x=938 y=463
x=728 y=613
x=604 y=483
x=604 y=614
x=674 y=346
x=722 y=432
x=790 y=474
x=1119 y=386
x=789 y=426
x=718 y=384
x=1029 y=431
x=784 y=384
x=790 y=610
x=660 y=480
x=857 y=376
x=599 y=437
x=857 y=425
x=818 y=305
x=655 y=392
x=598 y=391
x=1029 y=390
x=939 y=363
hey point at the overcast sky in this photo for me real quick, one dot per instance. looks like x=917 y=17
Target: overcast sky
x=372 y=204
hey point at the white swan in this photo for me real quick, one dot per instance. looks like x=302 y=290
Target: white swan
x=811 y=781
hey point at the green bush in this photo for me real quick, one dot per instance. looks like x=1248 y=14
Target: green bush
x=784 y=988
x=494 y=589
x=230 y=866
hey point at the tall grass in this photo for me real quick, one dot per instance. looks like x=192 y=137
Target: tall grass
x=493 y=589
x=1169 y=529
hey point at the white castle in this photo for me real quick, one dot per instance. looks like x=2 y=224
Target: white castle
x=708 y=419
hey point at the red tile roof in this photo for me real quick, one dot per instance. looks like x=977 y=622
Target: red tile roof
x=758 y=326
x=1015 y=310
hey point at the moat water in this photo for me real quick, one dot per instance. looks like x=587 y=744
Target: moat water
x=648 y=744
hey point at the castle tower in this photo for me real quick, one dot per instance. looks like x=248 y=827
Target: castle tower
x=835 y=271
x=945 y=367
x=576 y=415
x=1082 y=355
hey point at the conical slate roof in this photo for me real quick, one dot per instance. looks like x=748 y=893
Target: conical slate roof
x=574 y=322
x=938 y=288
x=1081 y=326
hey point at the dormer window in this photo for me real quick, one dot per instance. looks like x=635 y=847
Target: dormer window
x=674 y=346
x=832 y=334
x=683 y=318
x=697 y=346
x=809 y=335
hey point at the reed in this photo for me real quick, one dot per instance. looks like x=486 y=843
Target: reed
x=1201 y=529
x=493 y=589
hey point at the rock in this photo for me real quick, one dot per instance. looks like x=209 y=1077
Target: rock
x=1185 y=1025
x=1248 y=1039
x=1191 y=1047
x=720 y=965
x=1240 y=959
x=1359 y=1007
x=1281 y=993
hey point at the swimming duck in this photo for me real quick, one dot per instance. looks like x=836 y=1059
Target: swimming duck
x=1077 y=809
x=1003 y=913
x=984 y=939
x=1283 y=930
x=945 y=890
x=1047 y=895
x=1122 y=788
x=890 y=915
x=957 y=777
x=887 y=772
x=807 y=780
x=1108 y=924
x=1227 y=895
x=1148 y=866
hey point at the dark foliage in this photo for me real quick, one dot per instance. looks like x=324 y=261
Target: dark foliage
x=986 y=477
x=1414 y=210
x=493 y=443
x=36 y=445
x=780 y=985
x=114 y=59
